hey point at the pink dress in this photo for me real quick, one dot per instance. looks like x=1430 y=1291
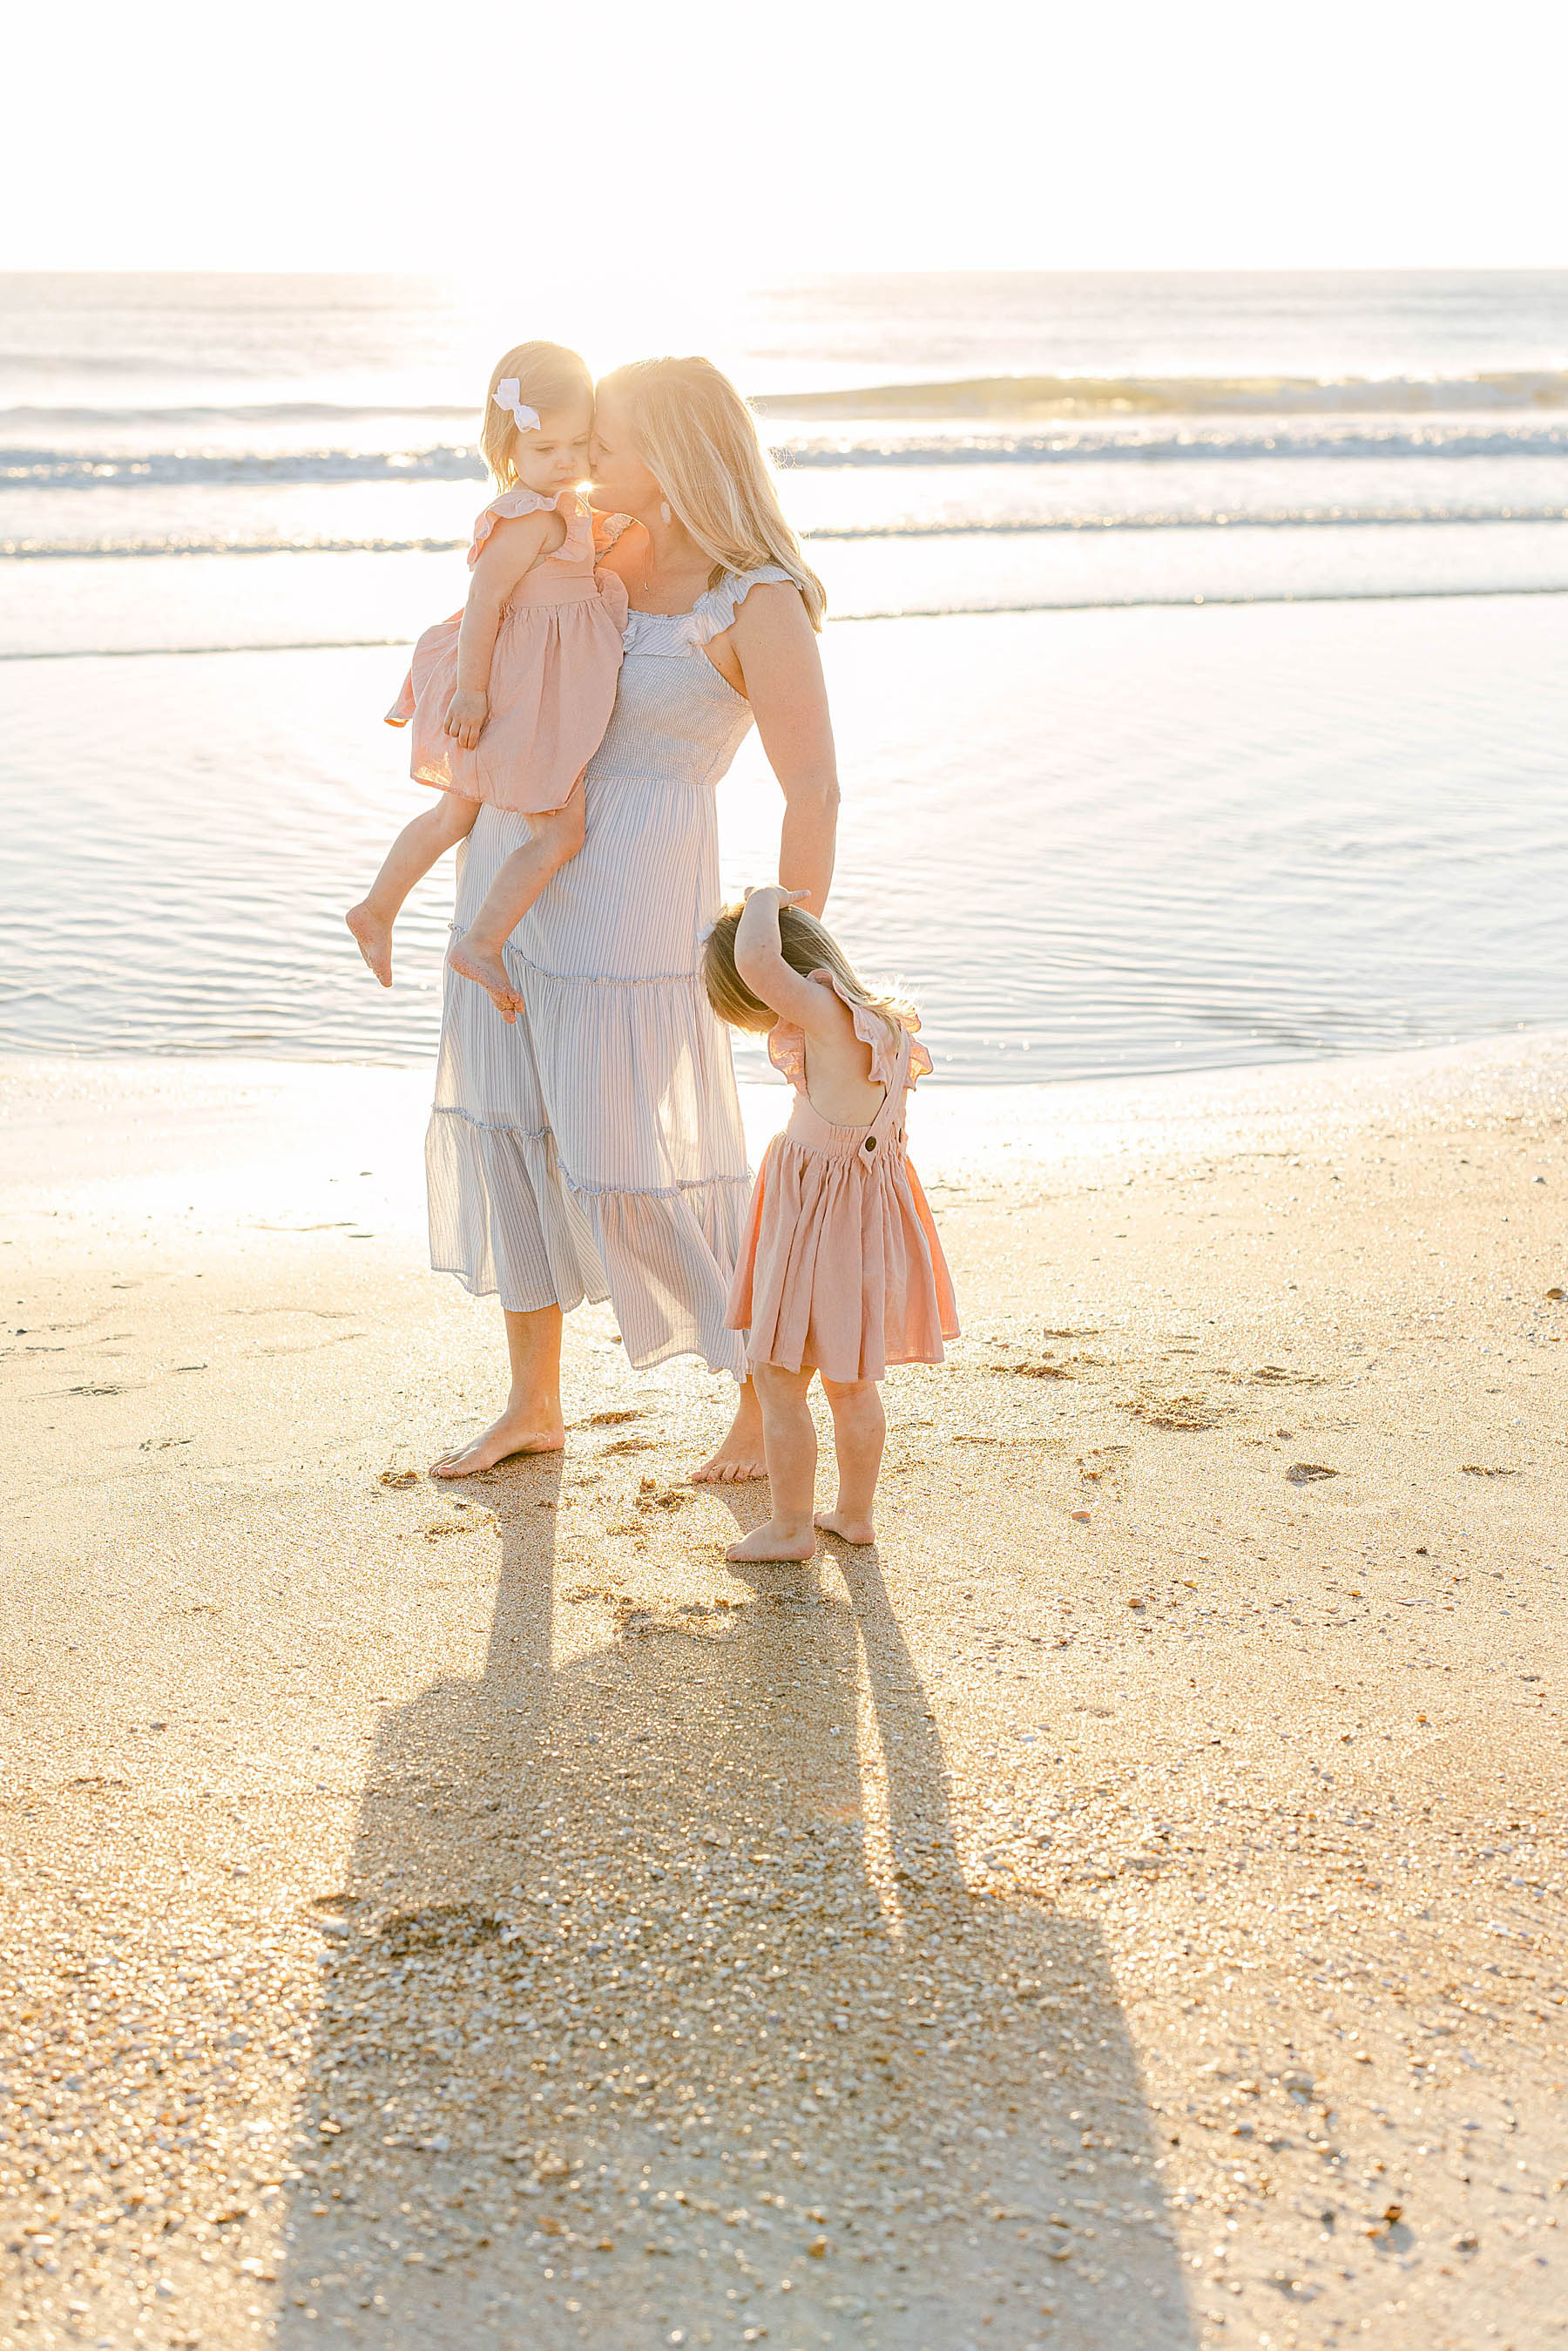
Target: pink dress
x=552 y=677
x=840 y=1268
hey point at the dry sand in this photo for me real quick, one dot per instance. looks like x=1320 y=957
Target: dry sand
x=1124 y=1911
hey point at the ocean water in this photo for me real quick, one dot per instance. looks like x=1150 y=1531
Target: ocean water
x=1198 y=656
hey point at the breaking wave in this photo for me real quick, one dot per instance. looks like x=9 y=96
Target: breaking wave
x=45 y=468
x=1113 y=396
x=1053 y=526
x=160 y=469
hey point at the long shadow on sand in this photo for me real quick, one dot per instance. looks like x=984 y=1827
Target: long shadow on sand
x=664 y=2015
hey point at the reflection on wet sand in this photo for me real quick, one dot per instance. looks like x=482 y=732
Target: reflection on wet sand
x=664 y=2014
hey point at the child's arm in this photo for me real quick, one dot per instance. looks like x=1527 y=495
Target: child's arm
x=514 y=546
x=759 y=959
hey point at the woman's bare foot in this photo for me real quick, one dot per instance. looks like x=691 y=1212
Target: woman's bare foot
x=847 y=1526
x=773 y=1542
x=375 y=939
x=524 y=1431
x=740 y=1457
x=490 y=972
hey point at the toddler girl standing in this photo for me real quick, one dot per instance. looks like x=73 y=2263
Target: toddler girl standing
x=840 y=1270
x=510 y=697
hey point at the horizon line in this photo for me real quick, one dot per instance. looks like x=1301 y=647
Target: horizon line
x=793 y=275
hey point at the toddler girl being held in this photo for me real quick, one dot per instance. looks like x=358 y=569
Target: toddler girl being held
x=509 y=699
x=840 y=1272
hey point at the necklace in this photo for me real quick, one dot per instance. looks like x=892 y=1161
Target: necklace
x=650 y=571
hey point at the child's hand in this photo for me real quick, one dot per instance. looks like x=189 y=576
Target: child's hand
x=465 y=716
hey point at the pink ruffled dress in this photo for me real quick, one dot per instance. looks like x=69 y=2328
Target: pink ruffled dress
x=840 y=1269
x=552 y=677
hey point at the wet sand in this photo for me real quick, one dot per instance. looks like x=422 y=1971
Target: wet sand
x=1125 y=1909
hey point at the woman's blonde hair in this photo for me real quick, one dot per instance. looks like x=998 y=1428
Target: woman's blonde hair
x=807 y=945
x=700 y=441
x=548 y=376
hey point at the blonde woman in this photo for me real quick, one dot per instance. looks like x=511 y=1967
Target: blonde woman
x=594 y=1148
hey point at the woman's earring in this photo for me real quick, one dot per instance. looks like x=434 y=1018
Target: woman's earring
x=664 y=509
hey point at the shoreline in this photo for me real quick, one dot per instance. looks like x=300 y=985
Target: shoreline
x=1159 y=1834
x=38 y=1088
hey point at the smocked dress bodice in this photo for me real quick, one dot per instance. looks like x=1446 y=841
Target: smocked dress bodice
x=639 y=896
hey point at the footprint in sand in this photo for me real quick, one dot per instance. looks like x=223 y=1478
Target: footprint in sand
x=695 y=1620
x=1173 y=1411
x=671 y=1498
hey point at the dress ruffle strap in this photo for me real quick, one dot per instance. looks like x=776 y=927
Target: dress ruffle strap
x=786 y=1043
x=715 y=609
x=577 y=546
x=607 y=529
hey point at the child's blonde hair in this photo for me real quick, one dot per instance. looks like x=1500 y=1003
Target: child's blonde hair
x=700 y=441
x=807 y=945
x=548 y=376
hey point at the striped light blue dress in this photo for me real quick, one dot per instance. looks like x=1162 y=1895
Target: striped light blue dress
x=594 y=1149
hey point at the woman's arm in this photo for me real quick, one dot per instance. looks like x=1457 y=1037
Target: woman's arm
x=515 y=544
x=774 y=647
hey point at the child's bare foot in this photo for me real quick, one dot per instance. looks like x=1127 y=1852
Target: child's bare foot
x=515 y=1432
x=491 y=974
x=375 y=939
x=847 y=1526
x=773 y=1542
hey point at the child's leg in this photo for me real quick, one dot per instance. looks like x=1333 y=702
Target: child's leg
x=859 y=1432
x=789 y=1441
x=408 y=860
x=554 y=836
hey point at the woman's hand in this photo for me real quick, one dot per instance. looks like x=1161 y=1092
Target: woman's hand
x=465 y=716
x=778 y=893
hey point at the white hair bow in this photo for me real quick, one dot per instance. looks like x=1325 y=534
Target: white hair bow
x=507 y=394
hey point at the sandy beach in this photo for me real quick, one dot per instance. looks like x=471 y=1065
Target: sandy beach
x=1125 y=1909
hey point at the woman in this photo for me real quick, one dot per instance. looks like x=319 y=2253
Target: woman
x=595 y=1149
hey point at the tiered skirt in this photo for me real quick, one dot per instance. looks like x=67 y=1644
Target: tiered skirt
x=592 y=1149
